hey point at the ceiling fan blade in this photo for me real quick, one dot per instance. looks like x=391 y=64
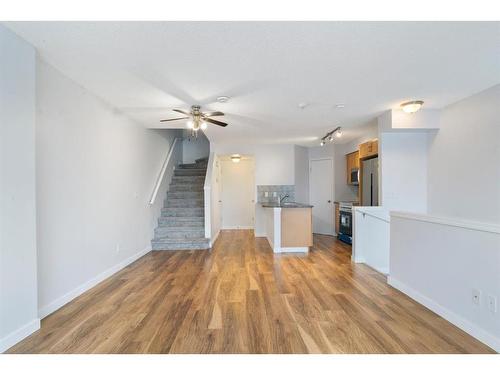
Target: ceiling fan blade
x=220 y=123
x=173 y=119
x=210 y=114
x=182 y=111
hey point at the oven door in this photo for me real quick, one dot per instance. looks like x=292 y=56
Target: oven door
x=345 y=225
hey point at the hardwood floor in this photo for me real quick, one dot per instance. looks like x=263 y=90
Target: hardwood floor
x=241 y=298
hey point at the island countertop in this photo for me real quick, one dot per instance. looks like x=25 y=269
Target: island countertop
x=286 y=205
x=288 y=230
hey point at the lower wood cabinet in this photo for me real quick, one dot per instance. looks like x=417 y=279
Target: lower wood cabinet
x=296 y=227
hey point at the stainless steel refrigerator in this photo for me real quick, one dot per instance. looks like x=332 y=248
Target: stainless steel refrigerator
x=369 y=193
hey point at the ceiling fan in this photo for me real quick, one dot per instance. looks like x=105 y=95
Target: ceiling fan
x=196 y=119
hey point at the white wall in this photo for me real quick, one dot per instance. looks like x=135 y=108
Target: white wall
x=96 y=170
x=439 y=263
x=371 y=235
x=464 y=160
x=273 y=163
x=403 y=171
x=18 y=253
x=301 y=174
x=195 y=148
x=319 y=152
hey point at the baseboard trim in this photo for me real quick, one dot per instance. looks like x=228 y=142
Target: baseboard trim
x=283 y=250
x=462 y=323
x=63 y=300
x=237 y=227
x=212 y=240
x=358 y=259
x=19 y=334
x=361 y=260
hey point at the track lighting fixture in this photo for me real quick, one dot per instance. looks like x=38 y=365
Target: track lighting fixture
x=329 y=136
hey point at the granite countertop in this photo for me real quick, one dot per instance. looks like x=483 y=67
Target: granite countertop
x=286 y=205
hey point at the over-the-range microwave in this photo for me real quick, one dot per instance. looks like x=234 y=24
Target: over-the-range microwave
x=355 y=176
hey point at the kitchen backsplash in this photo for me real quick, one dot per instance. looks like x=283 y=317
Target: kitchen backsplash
x=278 y=189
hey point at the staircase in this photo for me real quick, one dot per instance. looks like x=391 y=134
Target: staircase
x=182 y=222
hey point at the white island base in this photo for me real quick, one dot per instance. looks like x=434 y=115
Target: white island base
x=289 y=229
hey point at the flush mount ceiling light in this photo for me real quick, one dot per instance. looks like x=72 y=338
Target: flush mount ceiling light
x=236 y=158
x=223 y=99
x=412 y=106
x=329 y=136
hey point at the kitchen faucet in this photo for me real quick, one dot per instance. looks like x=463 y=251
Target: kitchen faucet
x=282 y=198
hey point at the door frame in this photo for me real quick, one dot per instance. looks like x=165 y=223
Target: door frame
x=332 y=190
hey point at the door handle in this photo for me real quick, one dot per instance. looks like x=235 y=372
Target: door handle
x=329 y=201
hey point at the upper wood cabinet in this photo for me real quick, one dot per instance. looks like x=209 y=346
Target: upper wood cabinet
x=352 y=162
x=368 y=149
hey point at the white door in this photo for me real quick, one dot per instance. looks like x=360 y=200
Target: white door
x=238 y=194
x=321 y=195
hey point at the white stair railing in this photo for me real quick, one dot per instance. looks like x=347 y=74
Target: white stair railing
x=169 y=163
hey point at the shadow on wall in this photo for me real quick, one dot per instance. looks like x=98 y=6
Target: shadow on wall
x=194 y=147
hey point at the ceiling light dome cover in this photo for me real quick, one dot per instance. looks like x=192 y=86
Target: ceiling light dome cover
x=412 y=106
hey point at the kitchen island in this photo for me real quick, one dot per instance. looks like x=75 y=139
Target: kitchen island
x=289 y=226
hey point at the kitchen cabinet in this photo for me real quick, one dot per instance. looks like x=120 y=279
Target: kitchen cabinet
x=289 y=228
x=368 y=149
x=352 y=162
x=337 y=217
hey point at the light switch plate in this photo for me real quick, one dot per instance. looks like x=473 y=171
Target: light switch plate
x=476 y=297
x=492 y=303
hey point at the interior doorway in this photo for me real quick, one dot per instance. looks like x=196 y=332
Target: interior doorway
x=238 y=193
x=321 y=195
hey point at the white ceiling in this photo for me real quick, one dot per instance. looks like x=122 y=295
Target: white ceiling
x=268 y=68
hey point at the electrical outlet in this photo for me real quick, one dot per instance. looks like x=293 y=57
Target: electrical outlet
x=476 y=297
x=492 y=303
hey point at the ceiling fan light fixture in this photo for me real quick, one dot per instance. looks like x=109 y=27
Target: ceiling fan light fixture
x=412 y=106
x=338 y=133
x=190 y=124
x=203 y=125
x=322 y=143
x=236 y=158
